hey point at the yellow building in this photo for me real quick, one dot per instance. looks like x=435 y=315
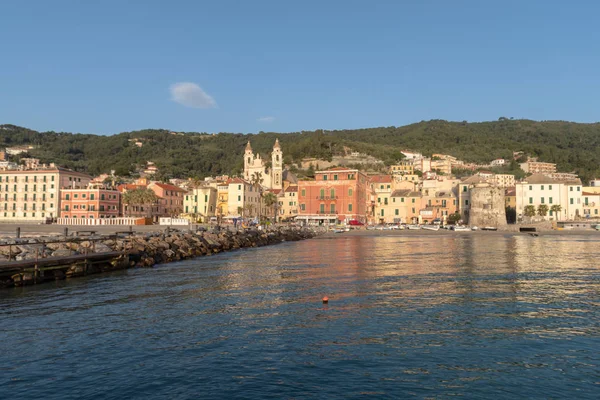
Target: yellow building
x=32 y=195
x=288 y=203
x=405 y=206
x=382 y=188
x=510 y=197
x=200 y=203
x=403 y=168
x=591 y=203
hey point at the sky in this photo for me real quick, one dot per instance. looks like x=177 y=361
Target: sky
x=106 y=67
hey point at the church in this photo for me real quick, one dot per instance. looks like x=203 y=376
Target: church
x=254 y=166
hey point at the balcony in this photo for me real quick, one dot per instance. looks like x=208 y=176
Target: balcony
x=327 y=198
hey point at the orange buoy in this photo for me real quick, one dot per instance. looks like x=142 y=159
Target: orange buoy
x=325 y=300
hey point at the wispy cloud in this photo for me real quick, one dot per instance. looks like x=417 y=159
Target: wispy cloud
x=191 y=95
x=266 y=119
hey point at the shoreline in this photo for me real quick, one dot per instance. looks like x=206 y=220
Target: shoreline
x=445 y=232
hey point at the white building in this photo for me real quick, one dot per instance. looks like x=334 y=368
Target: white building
x=498 y=162
x=539 y=189
x=255 y=166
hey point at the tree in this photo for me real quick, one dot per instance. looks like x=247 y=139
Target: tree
x=453 y=218
x=555 y=210
x=270 y=200
x=139 y=197
x=542 y=210
x=529 y=211
x=257 y=180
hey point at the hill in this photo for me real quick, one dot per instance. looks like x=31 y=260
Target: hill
x=573 y=146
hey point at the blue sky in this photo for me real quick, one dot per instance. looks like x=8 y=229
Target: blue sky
x=245 y=66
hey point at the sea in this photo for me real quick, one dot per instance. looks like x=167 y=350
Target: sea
x=475 y=315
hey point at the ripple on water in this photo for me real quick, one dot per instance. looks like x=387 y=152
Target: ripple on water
x=426 y=317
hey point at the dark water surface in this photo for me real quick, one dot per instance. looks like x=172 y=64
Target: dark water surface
x=476 y=316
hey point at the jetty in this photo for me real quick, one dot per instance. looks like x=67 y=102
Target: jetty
x=28 y=261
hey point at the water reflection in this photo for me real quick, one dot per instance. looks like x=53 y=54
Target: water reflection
x=409 y=316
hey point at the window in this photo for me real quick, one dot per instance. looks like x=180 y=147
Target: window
x=531 y=200
x=396 y=212
x=350 y=192
x=303 y=192
x=466 y=202
x=413 y=200
x=571 y=200
x=413 y=210
x=530 y=187
x=239 y=187
x=92 y=196
x=324 y=177
x=239 y=198
x=332 y=193
x=322 y=193
x=75 y=196
x=542 y=200
x=549 y=187
x=381 y=186
x=402 y=200
x=382 y=211
x=578 y=189
x=67 y=196
x=44 y=188
x=35 y=178
x=332 y=208
x=26 y=179
x=322 y=209
x=83 y=196
x=350 y=207
x=303 y=207
x=586 y=201
x=385 y=201
x=335 y=177
x=66 y=207
x=571 y=188
x=549 y=200
x=206 y=198
x=542 y=187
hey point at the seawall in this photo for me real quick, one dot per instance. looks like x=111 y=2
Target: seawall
x=36 y=260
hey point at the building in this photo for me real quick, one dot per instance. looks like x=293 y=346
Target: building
x=244 y=199
x=89 y=203
x=13 y=151
x=540 y=189
x=438 y=206
x=464 y=194
x=406 y=206
x=170 y=199
x=499 y=162
x=503 y=180
x=403 y=168
x=200 y=203
x=335 y=195
x=222 y=198
x=34 y=195
x=537 y=167
x=254 y=167
x=510 y=197
x=441 y=166
x=288 y=203
x=591 y=204
x=382 y=186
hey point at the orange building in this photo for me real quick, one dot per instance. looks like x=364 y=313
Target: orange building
x=170 y=198
x=89 y=203
x=336 y=195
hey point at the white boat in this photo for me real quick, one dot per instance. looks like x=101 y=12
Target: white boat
x=431 y=227
x=413 y=227
x=459 y=228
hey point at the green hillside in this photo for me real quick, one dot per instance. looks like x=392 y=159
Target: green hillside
x=573 y=146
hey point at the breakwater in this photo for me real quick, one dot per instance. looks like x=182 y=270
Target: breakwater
x=36 y=260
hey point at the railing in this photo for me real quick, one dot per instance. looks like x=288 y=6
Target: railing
x=100 y=221
x=327 y=197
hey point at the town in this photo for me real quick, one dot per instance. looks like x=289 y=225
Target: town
x=417 y=190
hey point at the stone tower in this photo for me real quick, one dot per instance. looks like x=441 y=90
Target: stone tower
x=487 y=206
x=276 y=166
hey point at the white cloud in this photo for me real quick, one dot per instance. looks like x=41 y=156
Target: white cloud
x=191 y=95
x=266 y=119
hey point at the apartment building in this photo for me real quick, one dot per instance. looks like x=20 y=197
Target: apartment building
x=403 y=168
x=539 y=189
x=33 y=195
x=288 y=202
x=200 y=203
x=90 y=203
x=537 y=167
x=335 y=195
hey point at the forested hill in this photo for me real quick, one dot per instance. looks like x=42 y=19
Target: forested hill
x=573 y=146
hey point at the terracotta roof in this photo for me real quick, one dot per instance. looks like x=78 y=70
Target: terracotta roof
x=474 y=179
x=291 y=189
x=590 y=194
x=166 y=186
x=236 y=180
x=381 y=178
x=511 y=191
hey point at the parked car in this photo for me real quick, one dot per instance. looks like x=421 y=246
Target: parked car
x=437 y=221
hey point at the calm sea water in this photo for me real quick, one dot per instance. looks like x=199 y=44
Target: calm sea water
x=477 y=316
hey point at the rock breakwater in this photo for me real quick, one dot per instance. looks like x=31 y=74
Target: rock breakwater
x=36 y=260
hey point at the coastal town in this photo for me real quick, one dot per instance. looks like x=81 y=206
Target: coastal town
x=417 y=190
